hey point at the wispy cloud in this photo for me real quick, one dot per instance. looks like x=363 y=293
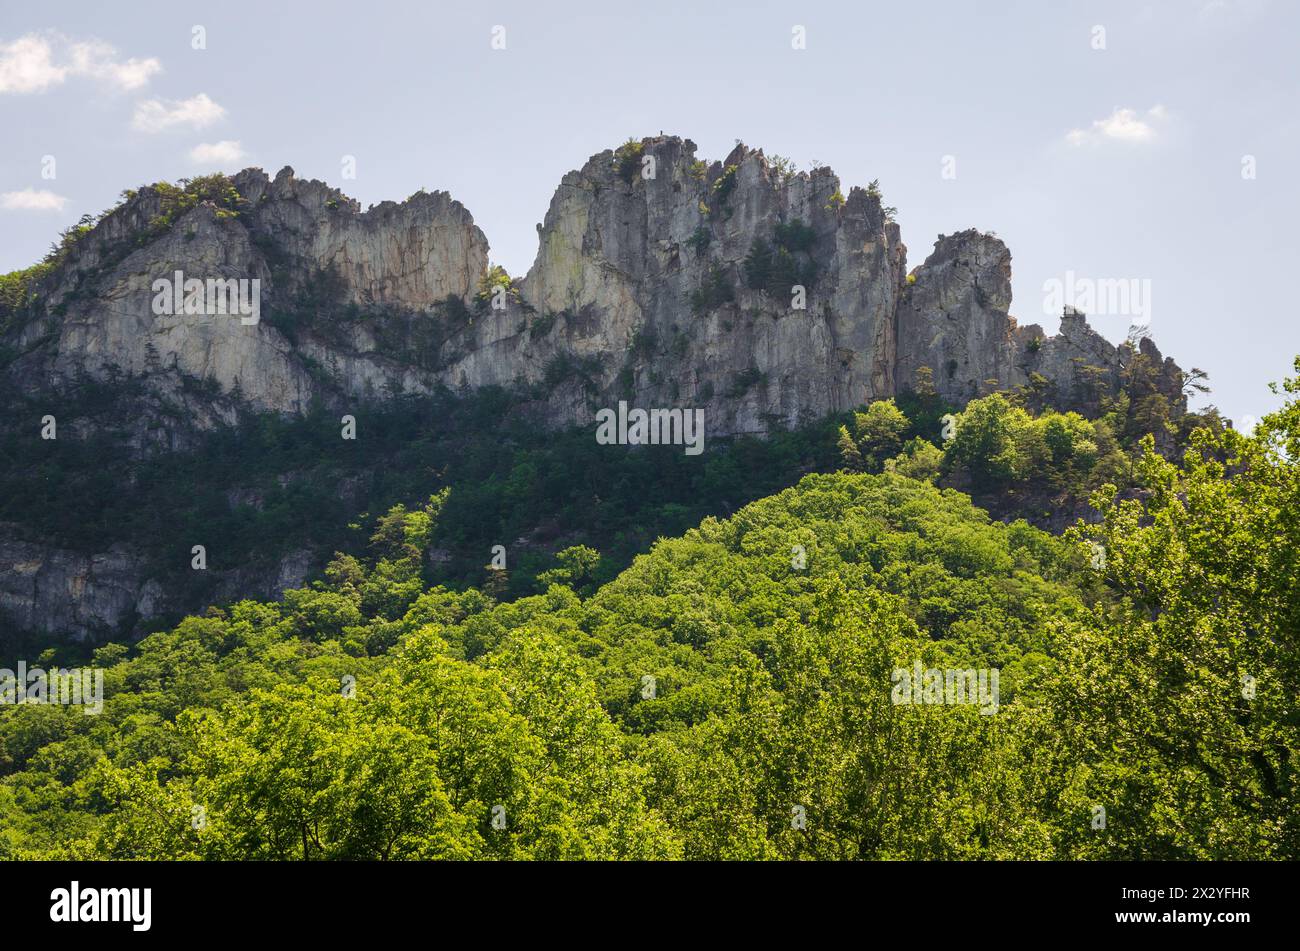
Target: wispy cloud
x=223 y=154
x=30 y=199
x=1122 y=125
x=38 y=62
x=155 y=115
x=98 y=59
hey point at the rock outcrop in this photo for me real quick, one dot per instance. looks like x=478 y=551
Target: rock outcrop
x=767 y=297
x=658 y=279
x=649 y=277
x=97 y=315
x=56 y=590
x=77 y=595
x=953 y=317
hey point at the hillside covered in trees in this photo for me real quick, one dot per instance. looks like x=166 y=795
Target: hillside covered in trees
x=733 y=693
x=277 y=490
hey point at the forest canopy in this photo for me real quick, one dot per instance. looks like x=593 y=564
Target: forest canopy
x=728 y=695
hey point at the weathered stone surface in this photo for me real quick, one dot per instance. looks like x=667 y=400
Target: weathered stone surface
x=357 y=305
x=608 y=310
x=953 y=317
x=621 y=261
x=99 y=315
x=74 y=595
x=68 y=594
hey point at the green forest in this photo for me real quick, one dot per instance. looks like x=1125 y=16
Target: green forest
x=297 y=485
x=728 y=692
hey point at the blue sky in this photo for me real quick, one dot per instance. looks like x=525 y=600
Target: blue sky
x=1112 y=154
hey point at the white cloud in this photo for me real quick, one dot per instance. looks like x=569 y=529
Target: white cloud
x=223 y=154
x=1122 y=125
x=27 y=65
x=97 y=59
x=155 y=115
x=35 y=63
x=31 y=200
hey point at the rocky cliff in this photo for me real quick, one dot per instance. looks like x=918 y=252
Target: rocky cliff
x=767 y=297
x=764 y=296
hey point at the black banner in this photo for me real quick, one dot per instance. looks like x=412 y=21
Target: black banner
x=1220 y=901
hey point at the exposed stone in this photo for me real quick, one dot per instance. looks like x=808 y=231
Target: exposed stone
x=614 y=306
x=78 y=596
x=639 y=291
x=953 y=317
x=69 y=594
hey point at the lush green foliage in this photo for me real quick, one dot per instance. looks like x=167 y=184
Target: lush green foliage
x=496 y=281
x=18 y=291
x=877 y=435
x=1014 y=451
x=254 y=494
x=723 y=699
x=715 y=291
x=778 y=265
x=177 y=199
x=627 y=160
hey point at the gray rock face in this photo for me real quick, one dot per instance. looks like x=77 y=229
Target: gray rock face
x=953 y=317
x=67 y=593
x=628 y=263
x=76 y=596
x=640 y=291
x=768 y=298
x=99 y=314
